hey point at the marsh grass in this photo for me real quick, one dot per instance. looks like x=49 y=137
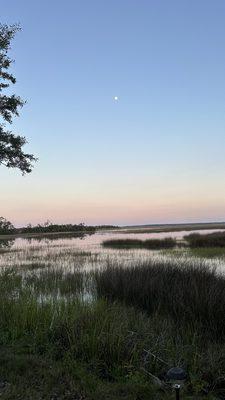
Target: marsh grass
x=191 y=294
x=208 y=252
x=108 y=338
x=57 y=282
x=215 y=239
x=96 y=333
x=113 y=341
x=33 y=266
x=3 y=251
x=151 y=244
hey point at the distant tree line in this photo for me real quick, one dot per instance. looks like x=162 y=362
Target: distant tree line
x=49 y=227
x=6 y=227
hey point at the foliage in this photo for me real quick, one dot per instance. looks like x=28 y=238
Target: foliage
x=6 y=226
x=11 y=145
x=49 y=227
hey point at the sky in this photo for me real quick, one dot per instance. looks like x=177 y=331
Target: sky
x=156 y=155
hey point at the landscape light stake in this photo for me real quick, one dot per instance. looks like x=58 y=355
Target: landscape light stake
x=177 y=391
x=176 y=377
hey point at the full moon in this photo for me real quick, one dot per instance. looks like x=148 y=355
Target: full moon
x=116 y=98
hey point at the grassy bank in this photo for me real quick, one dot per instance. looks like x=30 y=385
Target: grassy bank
x=65 y=347
x=71 y=334
x=151 y=244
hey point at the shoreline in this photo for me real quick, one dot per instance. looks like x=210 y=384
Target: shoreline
x=125 y=230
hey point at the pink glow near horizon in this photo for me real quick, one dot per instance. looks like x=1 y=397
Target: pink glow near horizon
x=123 y=215
x=154 y=156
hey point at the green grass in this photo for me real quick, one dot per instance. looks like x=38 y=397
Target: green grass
x=73 y=334
x=190 y=294
x=208 y=252
x=151 y=244
x=67 y=346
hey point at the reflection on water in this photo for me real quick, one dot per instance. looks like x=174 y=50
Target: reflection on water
x=85 y=252
x=48 y=237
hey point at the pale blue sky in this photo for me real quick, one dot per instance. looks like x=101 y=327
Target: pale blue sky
x=156 y=155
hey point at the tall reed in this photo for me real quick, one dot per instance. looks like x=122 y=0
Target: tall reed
x=190 y=294
x=215 y=239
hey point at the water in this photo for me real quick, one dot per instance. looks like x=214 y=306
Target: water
x=86 y=252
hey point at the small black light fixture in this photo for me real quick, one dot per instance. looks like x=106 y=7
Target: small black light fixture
x=176 y=377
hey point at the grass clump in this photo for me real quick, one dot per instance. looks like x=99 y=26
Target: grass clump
x=151 y=244
x=189 y=294
x=215 y=239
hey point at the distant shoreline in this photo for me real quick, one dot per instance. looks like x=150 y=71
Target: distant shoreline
x=171 y=227
x=126 y=229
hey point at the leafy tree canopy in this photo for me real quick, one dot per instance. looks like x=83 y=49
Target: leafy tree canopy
x=11 y=145
x=6 y=226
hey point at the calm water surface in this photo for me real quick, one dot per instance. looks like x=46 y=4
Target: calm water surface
x=86 y=252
